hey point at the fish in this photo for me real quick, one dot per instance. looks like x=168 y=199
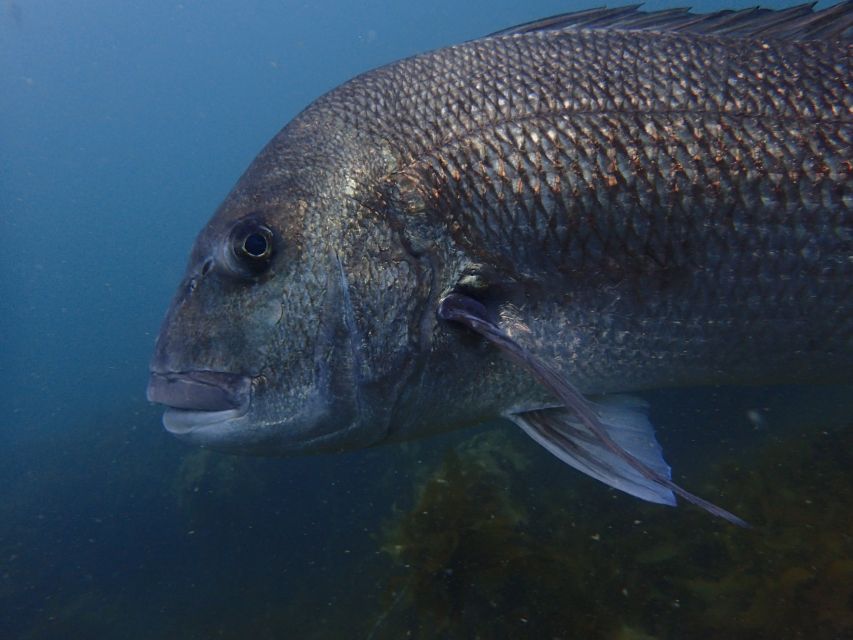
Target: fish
x=533 y=226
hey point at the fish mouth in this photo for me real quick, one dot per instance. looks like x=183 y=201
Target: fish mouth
x=198 y=399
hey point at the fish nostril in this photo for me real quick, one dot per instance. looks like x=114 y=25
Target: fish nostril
x=205 y=268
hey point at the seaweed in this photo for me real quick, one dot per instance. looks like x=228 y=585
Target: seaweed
x=492 y=549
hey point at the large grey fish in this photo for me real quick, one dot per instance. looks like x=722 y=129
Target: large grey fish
x=522 y=226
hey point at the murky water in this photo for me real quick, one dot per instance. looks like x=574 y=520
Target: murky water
x=123 y=126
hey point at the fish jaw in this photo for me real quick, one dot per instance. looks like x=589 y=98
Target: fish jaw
x=214 y=410
x=261 y=412
x=201 y=406
x=200 y=391
x=201 y=427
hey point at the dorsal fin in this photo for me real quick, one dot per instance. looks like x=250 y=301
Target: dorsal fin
x=796 y=23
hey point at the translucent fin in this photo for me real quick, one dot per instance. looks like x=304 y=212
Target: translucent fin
x=625 y=420
x=471 y=313
x=801 y=22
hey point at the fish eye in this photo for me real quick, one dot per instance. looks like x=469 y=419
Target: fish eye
x=256 y=245
x=252 y=244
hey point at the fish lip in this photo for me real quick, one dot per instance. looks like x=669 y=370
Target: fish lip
x=181 y=422
x=200 y=392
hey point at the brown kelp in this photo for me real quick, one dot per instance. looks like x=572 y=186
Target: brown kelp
x=493 y=552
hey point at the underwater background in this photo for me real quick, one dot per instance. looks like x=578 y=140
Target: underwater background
x=122 y=126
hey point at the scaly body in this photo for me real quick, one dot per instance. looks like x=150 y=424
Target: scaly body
x=678 y=209
x=601 y=202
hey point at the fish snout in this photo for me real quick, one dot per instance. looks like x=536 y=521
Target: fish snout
x=199 y=390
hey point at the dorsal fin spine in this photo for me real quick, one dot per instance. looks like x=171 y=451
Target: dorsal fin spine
x=800 y=22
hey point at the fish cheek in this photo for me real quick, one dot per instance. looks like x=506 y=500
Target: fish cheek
x=260 y=266
x=387 y=292
x=205 y=329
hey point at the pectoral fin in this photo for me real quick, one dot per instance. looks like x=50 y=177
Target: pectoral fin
x=613 y=444
x=561 y=433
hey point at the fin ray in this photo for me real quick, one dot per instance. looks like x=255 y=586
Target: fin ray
x=565 y=437
x=800 y=22
x=471 y=313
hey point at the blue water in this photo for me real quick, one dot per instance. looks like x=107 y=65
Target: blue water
x=122 y=126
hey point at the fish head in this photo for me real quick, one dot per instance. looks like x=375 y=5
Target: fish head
x=290 y=332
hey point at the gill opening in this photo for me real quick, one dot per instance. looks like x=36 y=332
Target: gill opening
x=353 y=335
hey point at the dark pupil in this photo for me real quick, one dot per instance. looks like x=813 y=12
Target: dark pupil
x=255 y=245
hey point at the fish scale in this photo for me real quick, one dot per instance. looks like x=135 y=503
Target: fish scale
x=593 y=189
x=623 y=158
